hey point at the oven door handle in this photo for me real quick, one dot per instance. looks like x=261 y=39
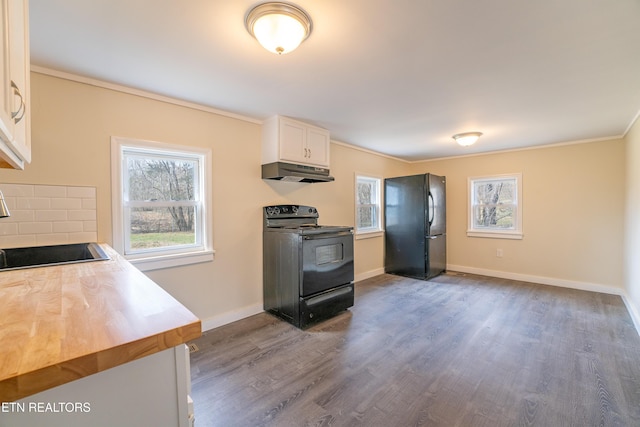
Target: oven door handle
x=329 y=295
x=327 y=235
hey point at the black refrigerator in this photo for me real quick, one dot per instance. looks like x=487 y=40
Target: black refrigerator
x=415 y=226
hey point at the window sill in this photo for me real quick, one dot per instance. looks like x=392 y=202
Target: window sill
x=513 y=235
x=174 y=260
x=369 y=234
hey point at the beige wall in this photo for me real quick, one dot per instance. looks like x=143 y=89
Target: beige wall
x=573 y=205
x=335 y=200
x=72 y=124
x=568 y=190
x=632 y=222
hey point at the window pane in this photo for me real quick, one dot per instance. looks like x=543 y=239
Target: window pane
x=494 y=192
x=492 y=216
x=364 y=193
x=495 y=208
x=366 y=217
x=162 y=227
x=367 y=207
x=161 y=179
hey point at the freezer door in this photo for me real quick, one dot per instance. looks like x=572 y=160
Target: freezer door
x=436 y=205
x=436 y=256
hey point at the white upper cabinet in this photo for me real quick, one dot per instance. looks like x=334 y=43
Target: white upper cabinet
x=15 y=114
x=288 y=140
x=5 y=88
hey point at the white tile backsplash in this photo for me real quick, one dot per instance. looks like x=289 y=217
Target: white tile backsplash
x=68 y=227
x=48 y=215
x=64 y=203
x=30 y=203
x=50 y=191
x=35 y=227
x=81 y=192
x=89 y=204
x=82 y=214
x=8 y=229
x=17 y=190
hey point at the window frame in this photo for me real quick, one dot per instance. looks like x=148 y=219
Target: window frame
x=173 y=256
x=377 y=230
x=489 y=232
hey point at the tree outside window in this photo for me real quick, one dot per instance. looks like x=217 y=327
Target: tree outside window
x=368 y=204
x=495 y=206
x=161 y=196
x=161 y=203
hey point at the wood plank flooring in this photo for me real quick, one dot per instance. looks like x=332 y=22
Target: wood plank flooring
x=458 y=350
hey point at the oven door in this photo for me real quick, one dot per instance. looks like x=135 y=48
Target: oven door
x=327 y=261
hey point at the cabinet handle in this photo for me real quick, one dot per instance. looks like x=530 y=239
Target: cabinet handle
x=19 y=113
x=309 y=152
x=306 y=155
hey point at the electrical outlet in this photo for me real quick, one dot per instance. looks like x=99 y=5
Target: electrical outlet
x=499 y=252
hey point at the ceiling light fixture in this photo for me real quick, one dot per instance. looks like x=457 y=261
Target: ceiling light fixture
x=467 y=138
x=279 y=27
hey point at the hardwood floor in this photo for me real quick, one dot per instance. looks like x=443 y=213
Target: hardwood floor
x=459 y=350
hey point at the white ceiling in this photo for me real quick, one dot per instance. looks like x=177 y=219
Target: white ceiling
x=394 y=76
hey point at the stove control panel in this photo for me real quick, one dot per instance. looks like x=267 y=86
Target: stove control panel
x=290 y=211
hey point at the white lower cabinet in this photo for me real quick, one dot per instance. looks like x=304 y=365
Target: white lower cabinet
x=151 y=391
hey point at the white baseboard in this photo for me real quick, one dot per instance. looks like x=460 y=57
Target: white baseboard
x=241 y=313
x=633 y=311
x=563 y=283
x=231 y=316
x=368 y=274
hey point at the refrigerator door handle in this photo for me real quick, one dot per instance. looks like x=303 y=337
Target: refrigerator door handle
x=431 y=209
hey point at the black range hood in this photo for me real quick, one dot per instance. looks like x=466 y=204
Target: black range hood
x=295 y=173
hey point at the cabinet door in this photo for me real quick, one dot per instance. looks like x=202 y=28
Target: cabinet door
x=296 y=142
x=19 y=73
x=317 y=147
x=6 y=123
x=292 y=141
x=15 y=145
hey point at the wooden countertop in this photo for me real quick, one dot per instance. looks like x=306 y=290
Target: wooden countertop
x=62 y=323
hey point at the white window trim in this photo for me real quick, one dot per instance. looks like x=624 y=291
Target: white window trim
x=372 y=232
x=516 y=233
x=169 y=258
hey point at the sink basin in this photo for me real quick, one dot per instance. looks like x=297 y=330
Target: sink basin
x=41 y=256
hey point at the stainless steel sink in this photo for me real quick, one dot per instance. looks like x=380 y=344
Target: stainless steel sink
x=42 y=256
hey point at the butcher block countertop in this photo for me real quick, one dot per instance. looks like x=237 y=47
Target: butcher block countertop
x=65 y=322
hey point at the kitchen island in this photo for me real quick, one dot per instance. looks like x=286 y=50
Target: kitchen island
x=99 y=339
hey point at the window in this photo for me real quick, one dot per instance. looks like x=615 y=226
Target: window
x=161 y=204
x=495 y=206
x=368 y=210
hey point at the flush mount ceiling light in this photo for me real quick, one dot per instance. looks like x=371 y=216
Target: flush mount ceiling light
x=467 y=138
x=279 y=27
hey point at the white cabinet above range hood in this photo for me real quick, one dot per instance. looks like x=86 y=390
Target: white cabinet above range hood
x=294 y=151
